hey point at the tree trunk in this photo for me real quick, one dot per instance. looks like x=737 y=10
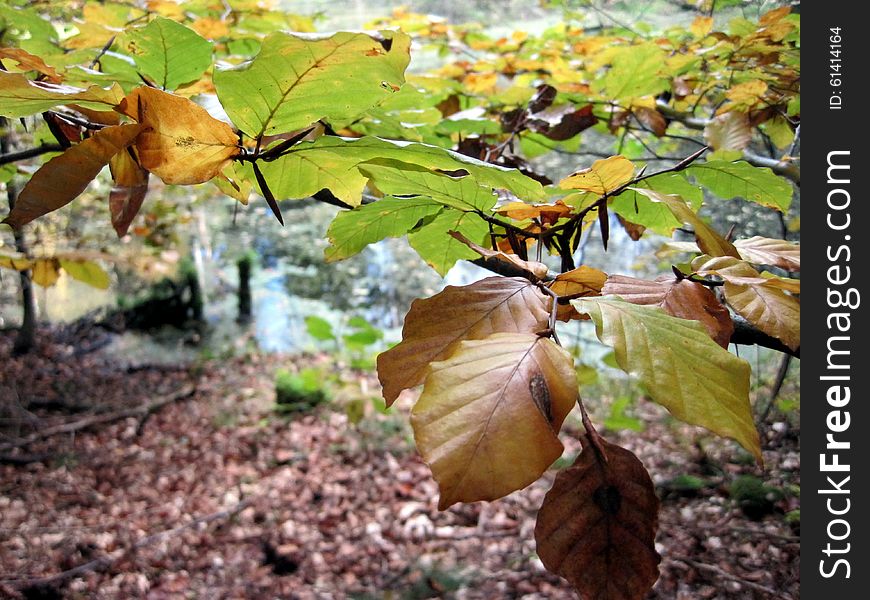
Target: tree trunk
x=26 y=338
x=244 y=265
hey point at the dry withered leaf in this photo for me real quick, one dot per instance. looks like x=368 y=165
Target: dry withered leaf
x=59 y=181
x=597 y=526
x=435 y=325
x=488 y=418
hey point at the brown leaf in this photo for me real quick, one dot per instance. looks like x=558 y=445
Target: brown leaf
x=561 y=122
x=534 y=269
x=634 y=231
x=45 y=271
x=434 y=326
x=488 y=418
x=683 y=299
x=728 y=131
x=543 y=98
x=30 y=62
x=128 y=193
x=59 y=181
x=181 y=142
x=597 y=526
x=652 y=120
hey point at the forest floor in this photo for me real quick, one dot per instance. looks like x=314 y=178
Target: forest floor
x=214 y=495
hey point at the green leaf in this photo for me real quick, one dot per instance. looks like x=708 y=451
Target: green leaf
x=319 y=328
x=20 y=97
x=353 y=230
x=618 y=419
x=296 y=80
x=168 y=53
x=440 y=250
x=637 y=71
x=675 y=360
x=462 y=193
x=333 y=163
x=87 y=272
x=31 y=32
x=656 y=216
x=740 y=179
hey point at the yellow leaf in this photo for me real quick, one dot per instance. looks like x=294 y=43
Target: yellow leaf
x=45 y=272
x=488 y=418
x=181 y=143
x=86 y=271
x=748 y=93
x=59 y=181
x=577 y=283
x=603 y=177
x=16 y=262
x=701 y=26
x=760 y=300
x=481 y=83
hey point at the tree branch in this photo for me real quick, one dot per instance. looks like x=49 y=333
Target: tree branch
x=746 y=334
x=29 y=153
x=139 y=411
x=780 y=167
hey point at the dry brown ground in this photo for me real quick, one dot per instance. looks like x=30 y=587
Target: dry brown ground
x=213 y=496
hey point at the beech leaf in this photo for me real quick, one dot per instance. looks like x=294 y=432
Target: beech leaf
x=180 y=143
x=488 y=417
x=604 y=176
x=128 y=193
x=434 y=326
x=298 y=79
x=740 y=179
x=709 y=241
x=679 y=365
x=576 y=283
x=353 y=230
x=728 y=131
x=766 y=251
x=535 y=269
x=59 y=181
x=597 y=526
x=760 y=300
x=168 y=53
x=683 y=299
x=86 y=271
x=20 y=97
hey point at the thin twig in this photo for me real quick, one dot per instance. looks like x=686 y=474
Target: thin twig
x=720 y=572
x=30 y=153
x=101 y=419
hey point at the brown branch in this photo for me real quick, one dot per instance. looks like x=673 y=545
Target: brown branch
x=29 y=153
x=141 y=411
x=104 y=562
x=720 y=572
x=747 y=335
x=780 y=167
